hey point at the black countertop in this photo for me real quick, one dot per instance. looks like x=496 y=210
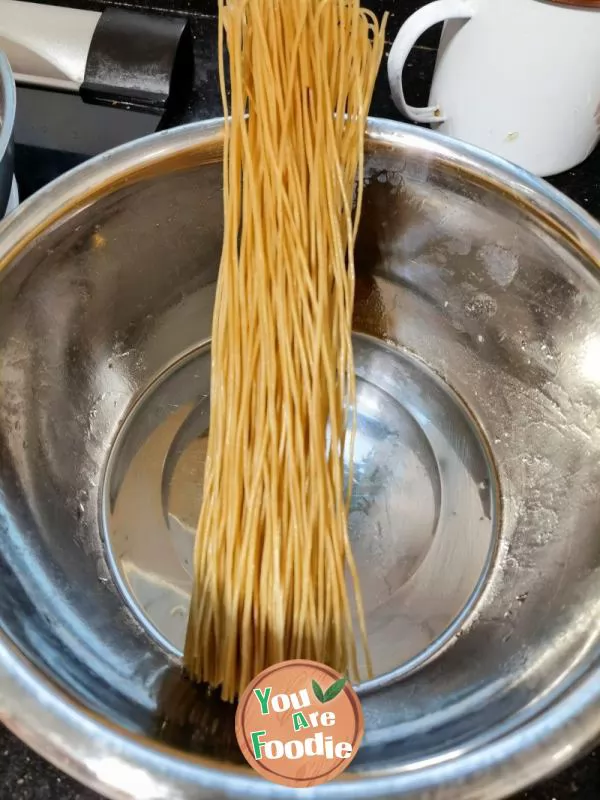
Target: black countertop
x=23 y=774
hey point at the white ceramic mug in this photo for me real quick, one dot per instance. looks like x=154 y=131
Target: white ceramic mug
x=520 y=78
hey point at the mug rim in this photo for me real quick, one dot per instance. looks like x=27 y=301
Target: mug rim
x=593 y=4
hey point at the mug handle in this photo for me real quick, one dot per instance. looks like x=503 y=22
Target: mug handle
x=415 y=25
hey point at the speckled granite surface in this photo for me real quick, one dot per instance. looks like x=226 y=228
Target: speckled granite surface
x=23 y=774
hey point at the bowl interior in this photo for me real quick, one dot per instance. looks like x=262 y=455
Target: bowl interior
x=475 y=511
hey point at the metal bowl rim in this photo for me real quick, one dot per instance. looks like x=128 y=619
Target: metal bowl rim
x=79 y=742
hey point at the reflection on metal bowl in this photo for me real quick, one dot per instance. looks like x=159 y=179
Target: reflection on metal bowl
x=474 y=515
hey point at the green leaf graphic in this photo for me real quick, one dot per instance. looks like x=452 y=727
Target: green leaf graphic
x=318 y=692
x=335 y=689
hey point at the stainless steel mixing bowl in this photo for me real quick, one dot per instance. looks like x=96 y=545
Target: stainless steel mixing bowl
x=475 y=514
